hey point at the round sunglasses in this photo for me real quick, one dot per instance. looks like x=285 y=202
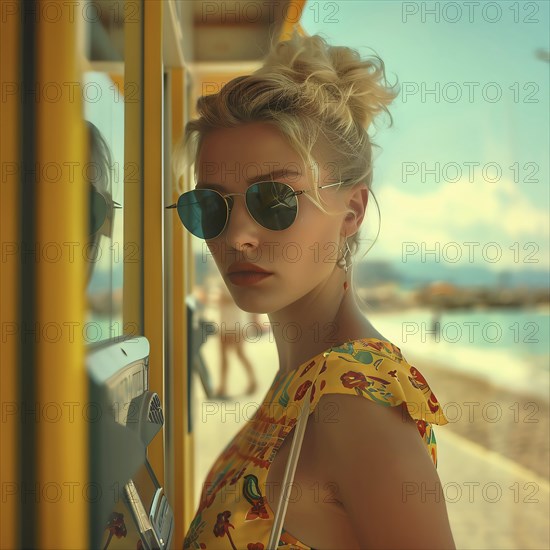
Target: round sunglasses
x=272 y=204
x=100 y=210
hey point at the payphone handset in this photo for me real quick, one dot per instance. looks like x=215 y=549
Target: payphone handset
x=131 y=417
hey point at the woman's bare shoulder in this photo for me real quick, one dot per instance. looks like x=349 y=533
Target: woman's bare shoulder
x=377 y=462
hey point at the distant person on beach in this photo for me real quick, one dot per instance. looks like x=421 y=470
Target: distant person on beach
x=436 y=323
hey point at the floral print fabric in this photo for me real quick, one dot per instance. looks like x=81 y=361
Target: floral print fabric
x=233 y=513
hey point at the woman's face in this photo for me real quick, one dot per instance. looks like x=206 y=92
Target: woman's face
x=300 y=257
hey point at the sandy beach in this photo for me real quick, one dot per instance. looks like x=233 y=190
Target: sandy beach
x=513 y=424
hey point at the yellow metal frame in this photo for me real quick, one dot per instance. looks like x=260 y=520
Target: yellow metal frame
x=133 y=193
x=153 y=212
x=9 y=274
x=183 y=450
x=143 y=303
x=62 y=446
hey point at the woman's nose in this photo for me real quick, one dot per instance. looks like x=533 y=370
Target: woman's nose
x=241 y=227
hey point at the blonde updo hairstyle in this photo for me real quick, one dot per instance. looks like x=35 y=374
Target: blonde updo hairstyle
x=313 y=93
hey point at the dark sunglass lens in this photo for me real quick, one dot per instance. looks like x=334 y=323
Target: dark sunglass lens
x=98 y=210
x=203 y=212
x=272 y=204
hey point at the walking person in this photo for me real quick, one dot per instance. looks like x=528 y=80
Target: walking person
x=232 y=333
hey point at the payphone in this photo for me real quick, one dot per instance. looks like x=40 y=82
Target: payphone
x=131 y=509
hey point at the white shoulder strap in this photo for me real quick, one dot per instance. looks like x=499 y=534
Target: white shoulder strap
x=299 y=431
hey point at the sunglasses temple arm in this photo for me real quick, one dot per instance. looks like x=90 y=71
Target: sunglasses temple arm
x=172 y=206
x=331 y=184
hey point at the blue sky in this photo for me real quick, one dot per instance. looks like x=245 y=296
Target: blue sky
x=492 y=146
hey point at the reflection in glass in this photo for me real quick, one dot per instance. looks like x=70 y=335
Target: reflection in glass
x=103 y=249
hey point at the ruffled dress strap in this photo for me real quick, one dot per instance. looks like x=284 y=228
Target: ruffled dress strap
x=376 y=370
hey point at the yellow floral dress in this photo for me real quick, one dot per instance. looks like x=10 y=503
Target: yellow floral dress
x=233 y=513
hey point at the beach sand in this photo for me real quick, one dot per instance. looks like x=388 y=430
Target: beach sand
x=512 y=424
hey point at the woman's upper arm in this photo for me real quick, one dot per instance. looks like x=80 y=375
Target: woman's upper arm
x=384 y=476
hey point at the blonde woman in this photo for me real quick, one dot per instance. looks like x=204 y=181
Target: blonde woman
x=283 y=167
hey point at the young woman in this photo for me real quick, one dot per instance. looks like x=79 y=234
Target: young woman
x=283 y=163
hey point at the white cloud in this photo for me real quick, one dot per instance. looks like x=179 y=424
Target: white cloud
x=460 y=212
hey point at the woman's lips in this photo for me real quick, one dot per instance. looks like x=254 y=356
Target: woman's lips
x=245 y=278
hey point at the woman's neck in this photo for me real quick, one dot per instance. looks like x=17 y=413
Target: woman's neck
x=326 y=317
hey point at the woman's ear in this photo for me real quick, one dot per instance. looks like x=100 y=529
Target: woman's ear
x=357 y=202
